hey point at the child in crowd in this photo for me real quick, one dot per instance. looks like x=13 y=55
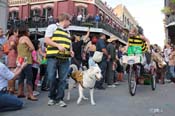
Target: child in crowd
x=36 y=70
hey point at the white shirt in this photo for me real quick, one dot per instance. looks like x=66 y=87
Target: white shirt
x=42 y=44
x=79 y=17
x=167 y=52
x=5 y=75
x=52 y=28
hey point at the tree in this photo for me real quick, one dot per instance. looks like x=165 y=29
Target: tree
x=167 y=10
x=173 y=1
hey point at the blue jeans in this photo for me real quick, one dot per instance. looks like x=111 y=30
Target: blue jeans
x=171 y=68
x=57 y=86
x=9 y=102
x=26 y=73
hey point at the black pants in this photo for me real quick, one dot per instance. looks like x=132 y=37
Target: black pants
x=35 y=72
x=43 y=74
x=103 y=66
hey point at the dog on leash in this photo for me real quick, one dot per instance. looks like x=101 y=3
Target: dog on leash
x=84 y=79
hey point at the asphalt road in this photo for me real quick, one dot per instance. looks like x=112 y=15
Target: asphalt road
x=110 y=102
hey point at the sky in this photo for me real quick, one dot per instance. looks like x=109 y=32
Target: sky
x=148 y=14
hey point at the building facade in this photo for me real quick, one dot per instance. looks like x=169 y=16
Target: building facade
x=169 y=22
x=125 y=16
x=3 y=14
x=88 y=9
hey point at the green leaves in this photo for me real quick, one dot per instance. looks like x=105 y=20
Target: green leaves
x=167 y=10
x=173 y=1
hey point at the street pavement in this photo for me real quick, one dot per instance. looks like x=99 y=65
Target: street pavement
x=110 y=102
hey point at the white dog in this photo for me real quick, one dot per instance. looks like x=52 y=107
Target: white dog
x=85 y=79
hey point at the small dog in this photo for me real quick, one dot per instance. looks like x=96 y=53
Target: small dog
x=84 y=79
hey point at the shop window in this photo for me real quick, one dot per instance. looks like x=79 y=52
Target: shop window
x=47 y=12
x=35 y=12
x=82 y=10
x=14 y=14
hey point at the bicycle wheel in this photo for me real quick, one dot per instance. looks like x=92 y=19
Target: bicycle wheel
x=132 y=81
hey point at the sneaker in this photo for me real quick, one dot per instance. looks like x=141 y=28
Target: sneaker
x=111 y=86
x=36 y=93
x=61 y=103
x=116 y=83
x=44 y=89
x=114 y=86
x=51 y=102
x=168 y=81
x=39 y=84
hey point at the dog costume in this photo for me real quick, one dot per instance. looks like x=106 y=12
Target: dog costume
x=78 y=77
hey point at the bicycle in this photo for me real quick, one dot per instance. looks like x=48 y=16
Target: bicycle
x=134 y=72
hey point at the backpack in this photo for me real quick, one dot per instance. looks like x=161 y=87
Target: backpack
x=6 y=47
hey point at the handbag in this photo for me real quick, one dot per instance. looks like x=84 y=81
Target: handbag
x=97 y=57
x=6 y=47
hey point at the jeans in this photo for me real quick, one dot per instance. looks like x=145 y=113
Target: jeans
x=57 y=85
x=168 y=74
x=26 y=73
x=171 y=68
x=9 y=102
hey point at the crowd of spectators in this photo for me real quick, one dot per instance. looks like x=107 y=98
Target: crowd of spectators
x=97 y=21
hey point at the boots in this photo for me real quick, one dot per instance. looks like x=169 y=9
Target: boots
x=120 y=77
x=21 y=91
x=30 y=93
x=11 y=86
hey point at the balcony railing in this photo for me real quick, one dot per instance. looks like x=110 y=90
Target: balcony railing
x=106 y=10
x=43 y=23
x=13 y=2
x=18 y=2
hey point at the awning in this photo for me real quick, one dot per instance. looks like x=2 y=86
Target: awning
x=80 y=28
x=171 y=24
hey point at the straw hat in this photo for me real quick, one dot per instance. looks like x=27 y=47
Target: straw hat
x=111 y=39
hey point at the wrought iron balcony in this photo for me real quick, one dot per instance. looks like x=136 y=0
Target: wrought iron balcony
x=43 y=23
x=18 y=2
x=14 y=2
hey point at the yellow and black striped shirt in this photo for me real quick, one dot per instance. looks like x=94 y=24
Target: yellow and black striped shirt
x=61 y=37
x=137 y=41
x=144 y=46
